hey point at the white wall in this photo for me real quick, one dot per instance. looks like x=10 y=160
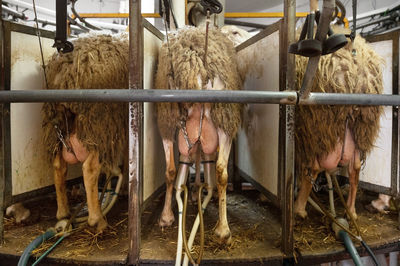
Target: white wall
x=257 y=141
x=29 y=168
x=377 y=168
x=154 y=160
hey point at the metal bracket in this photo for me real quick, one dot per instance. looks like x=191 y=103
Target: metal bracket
x=60 y=41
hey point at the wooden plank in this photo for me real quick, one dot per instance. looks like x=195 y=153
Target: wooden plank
x=287 y=171
x=135 y=148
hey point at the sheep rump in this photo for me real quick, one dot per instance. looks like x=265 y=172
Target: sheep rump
x=97 y=62
x=319 y=128
x=187 y=50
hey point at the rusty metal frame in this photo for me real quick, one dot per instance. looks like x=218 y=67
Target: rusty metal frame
x=135 y=148
x=286 y=125
x=2 y=175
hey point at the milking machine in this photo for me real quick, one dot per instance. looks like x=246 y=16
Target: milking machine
x=209 y=184
x=340 y=225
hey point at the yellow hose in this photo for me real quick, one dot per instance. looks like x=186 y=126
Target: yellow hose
x=200 y=209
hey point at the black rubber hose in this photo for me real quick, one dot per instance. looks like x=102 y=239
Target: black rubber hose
x=370 y=253
x=23 y=260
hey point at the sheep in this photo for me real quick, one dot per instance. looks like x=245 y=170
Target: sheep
x=95 y=132
x=326 y=135
x=181 y=66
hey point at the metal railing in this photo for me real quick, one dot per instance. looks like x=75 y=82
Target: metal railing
x=152 y=95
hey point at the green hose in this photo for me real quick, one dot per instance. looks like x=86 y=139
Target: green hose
x=350 y=248
x=34 y=244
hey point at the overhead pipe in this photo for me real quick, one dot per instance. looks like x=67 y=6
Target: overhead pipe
x=52 y=13
x=22 y=16
x=13 y=12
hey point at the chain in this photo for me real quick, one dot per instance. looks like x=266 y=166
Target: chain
x=60 y=136
x=171 y=83
x=185 y=134
x=206 y=45
x=40 y=43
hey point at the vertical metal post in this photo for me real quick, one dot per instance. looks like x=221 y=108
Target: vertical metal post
x=135 y=148
x=287 y=126
x=2 y=174
x=395 y=114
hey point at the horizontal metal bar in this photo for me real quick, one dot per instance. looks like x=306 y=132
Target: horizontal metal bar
x=260 y=14
x=245 y=24
x=372 y=22
x=125 y=95
x=226 y=15
x=115 y=15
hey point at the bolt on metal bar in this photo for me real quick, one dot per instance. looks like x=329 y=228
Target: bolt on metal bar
x=151 y=95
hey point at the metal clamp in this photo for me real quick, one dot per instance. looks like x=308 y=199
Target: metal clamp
x=213 y=6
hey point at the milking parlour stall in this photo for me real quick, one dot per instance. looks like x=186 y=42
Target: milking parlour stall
x=34 y=135
x=183 y=145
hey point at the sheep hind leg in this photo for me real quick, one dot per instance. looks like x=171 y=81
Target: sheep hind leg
x=222 y=230
x=304 y=193
x=91 y=171
x=60 y=173
x=354 y=176
x=167 y=216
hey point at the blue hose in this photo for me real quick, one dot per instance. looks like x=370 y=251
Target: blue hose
x=350 y=248
x=23 y=261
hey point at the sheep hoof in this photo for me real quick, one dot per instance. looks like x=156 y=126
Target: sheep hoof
x=354 y=214
x=167 y=219
x=99 y=222
x=166 y=222
x=19 y=212
x=301 y=213
x=223 y=235
x=101 y=225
